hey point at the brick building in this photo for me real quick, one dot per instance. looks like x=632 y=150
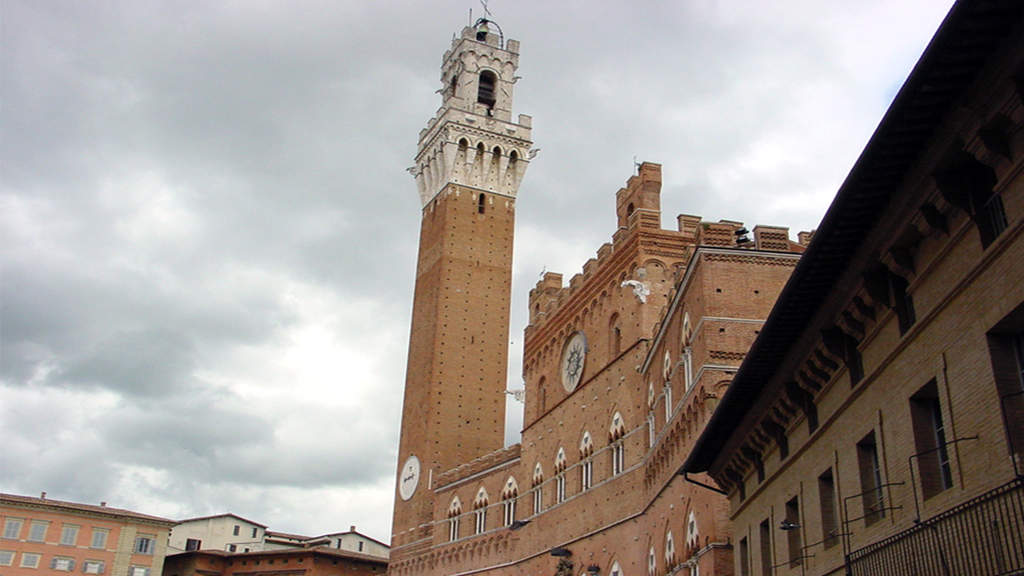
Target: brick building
x=319 y=561
x=623 y=365
x=41 y=535
x=876 y=425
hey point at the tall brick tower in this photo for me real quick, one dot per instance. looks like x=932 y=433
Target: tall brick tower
x=470 y=161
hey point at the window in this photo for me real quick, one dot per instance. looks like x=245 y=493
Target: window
x=99 y=538
x=92 y=567
x=650 y=429
x=668 y=402
x=454 y=513
x=37 y=531
x=1006 y=348
x=793 y=533
x=759 y=468
x=688 y=367
x=560 y=476
x=827 y=502
x=652 y=562
x=69 y=534
x=254 y=532
x=12 y=528
x=744 y=558
x=6 y=557
x=852 y=359
x=193 y=544
x=480 y=204
x=29 y=560
x=615 y=336
x=618 y=458
x=138 y=571
x=670 y=550
x=870 y=479
x=767 y=559
x=480 y=511
x=509 y=495
x=616 y=570
x=485 y=92
x=930 y=441
x=236 y=530
x=62 y=564
x=360 y=546
x=587 y=462
x=232 y=548
x=538 y=492
x=143 y=545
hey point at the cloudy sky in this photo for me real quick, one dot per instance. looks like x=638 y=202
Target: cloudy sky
x=208 y=236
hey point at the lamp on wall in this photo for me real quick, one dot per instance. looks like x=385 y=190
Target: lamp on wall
x=593 y=570
x=560 y=552
x=787 y=525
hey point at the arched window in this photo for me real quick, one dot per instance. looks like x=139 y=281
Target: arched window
x=538 y=489
x=480 y=511
x=616 y=570
x=485 y=93
x=615 y=336
x=668 y=401
x=587 y=462
x=670 y=550
x=509 y=494
x=454 y=85
x=560 y=476
x=616 y=435
x=454 y=512
x=652 y=562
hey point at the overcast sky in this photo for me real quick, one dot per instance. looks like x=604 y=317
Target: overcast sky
x=208 y=236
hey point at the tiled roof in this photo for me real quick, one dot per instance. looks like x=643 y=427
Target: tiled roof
x=226 y=514
x=16 y=500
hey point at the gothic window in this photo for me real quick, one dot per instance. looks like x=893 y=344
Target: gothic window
x=509 y=494
x=587 y=462
x=668 y=401
x=486 y=92
x=454 y=85
x=692 y=531
x=650 y=429
x=652 y=562
x=538 y=489
x=615 y=336
x=617 y=436
x=688 y=367
x=616 y=570
x=480 y=511
x=560 y=476
x=454 y=513
x=670 y=550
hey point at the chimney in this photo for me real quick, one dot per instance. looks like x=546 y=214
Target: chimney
x=104 y=503
x=352 y=528
x=42 y=496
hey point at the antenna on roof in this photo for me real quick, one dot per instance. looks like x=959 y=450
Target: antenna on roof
x=487 y=13
x=636 y=165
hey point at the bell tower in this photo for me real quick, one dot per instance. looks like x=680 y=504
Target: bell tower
x=469 y=163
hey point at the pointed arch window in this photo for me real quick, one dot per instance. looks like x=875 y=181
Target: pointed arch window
x=587 y=462
x=615 y=336
x=538 y=489
x=480 y=511
x=617 y=434
x=454 y=513
x=560 y=476
x=486 y=91
x=670 y=550
x=509 y=495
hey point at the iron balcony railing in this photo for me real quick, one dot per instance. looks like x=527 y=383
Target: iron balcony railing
x=983 y=536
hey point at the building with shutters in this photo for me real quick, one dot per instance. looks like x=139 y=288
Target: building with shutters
x=41 y=535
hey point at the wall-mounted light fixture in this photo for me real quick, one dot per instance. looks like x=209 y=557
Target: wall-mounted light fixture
x=787 y=525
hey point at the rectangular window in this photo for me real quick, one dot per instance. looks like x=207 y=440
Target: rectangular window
x=930 y=441
x=759 y=468
x=361 y=546
x=1006 y=349
x=143 y=545
x=767 y=559
x=560 y=487
x=870 y=479
x=192 y=544
x=138 y=571
x=586 y=474
x=92 y=567
x=254 y=532
x=852 y=359
x=744 y=558
x=650 y=429
x=99 y=538
x=688 y=367
x=793 y=532
x=236 y=530
x=902 y=302
x=29 y=560
x=69 y=535
x=618 y=458
x=509 y=511
x=453 y=528
x=668 y=402
x=62 y=564
x=538 y=500
x=37 y=531
x=12 y=528
x=827 y=503
x=6 y=557
x=232 y=548
x=989 y=215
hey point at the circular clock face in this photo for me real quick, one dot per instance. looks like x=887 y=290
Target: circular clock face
x=409 y=478
x=573 y=356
